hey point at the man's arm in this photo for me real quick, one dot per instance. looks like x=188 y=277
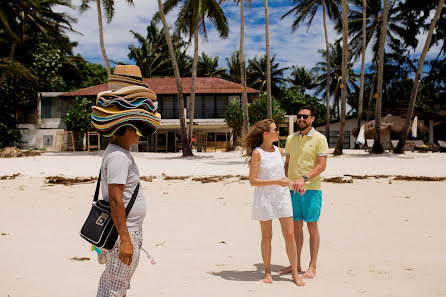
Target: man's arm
x=119 y=219
x=287 y=162
x=320 y=167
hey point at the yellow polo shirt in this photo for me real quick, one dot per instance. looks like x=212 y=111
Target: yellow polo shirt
x=304 y=151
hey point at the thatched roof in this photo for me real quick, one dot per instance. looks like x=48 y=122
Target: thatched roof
x=394 y=123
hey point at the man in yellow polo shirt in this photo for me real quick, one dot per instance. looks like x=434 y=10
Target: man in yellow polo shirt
x=306 y=154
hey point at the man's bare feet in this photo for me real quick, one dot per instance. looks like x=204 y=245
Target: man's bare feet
x=288 y=270
x=298 y=281
x=310 y=273
x=268 y=279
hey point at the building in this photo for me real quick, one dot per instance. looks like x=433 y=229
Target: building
x=211 y=97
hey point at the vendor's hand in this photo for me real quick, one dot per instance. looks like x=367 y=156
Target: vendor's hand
x=284 y=182
x=126 y=252
x=298 y=186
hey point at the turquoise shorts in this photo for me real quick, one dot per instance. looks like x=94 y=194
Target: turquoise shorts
x=308 y=206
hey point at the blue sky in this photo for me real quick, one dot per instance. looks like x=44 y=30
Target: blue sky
x=291 y=48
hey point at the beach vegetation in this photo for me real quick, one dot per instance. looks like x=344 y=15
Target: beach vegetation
x=78 y=120
x=258 y=110
x=234 y=119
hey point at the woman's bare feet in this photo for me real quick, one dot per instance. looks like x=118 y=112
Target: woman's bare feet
x=288 y=270
x=310 y=273
x=298 y=281
x=268 y=278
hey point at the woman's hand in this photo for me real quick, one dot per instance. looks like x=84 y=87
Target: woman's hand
x=284 y=182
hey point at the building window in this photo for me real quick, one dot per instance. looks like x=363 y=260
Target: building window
x=209 y=107
x=50 y=107
x=221 y=102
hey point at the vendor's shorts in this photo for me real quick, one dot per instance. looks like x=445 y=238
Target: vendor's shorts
x=308 y=206
x=115 y=280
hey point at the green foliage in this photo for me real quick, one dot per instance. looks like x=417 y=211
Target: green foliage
x=10 y=136
x=257 y=110
x=46 y=65
x=233 y=115
x=78 y=117
x=293 y=99
x=91 y=74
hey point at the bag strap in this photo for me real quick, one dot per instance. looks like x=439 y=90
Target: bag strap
x=131 y=202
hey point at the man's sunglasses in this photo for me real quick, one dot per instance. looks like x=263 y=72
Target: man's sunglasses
x=305 y=116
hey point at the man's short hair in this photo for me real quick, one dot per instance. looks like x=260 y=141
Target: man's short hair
x=307 y=107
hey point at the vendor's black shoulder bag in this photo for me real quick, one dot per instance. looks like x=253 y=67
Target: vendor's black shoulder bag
x=99 y=228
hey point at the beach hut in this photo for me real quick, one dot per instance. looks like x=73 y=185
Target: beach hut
x=391 y=127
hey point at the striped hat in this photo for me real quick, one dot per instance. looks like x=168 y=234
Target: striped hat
x=129 y=103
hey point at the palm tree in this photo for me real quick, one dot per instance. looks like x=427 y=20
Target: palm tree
x=335 y=76
x=413 y=96
x=302 y=79
x=364 y=45
x=173 y=56
x=306 y=9
x=109 y=10
x=377 y=146
x=268 y=65
x=191 y=19
x=208 y=67
x=257 y=74
x=152 y=55
x=234 y=67
x=339 y=146
x=20 y=17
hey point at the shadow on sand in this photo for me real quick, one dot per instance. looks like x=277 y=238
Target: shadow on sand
x=256 y=275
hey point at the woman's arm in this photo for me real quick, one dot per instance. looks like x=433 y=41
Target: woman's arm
x=254 y=169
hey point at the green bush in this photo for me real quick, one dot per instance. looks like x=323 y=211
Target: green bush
x=233 y=117
x=257 y=110
x=78 y=119
x=9 y=136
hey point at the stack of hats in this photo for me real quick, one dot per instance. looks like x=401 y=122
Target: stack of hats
x=130 y=102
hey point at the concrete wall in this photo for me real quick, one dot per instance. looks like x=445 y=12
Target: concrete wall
x=350 y=124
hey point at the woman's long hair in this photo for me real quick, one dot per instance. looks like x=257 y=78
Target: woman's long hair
x=255 y=135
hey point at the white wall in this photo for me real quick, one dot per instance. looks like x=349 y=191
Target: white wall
x=350 y=124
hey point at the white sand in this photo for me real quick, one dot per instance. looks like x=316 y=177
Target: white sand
x=378 y=239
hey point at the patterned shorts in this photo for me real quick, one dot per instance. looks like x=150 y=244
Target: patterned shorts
x=115 y=280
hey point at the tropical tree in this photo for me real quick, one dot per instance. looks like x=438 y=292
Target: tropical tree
x=257 y=74
x=258 y=110
x=343 y=84
x=377 y=146
x=187 y=150
x=208 y=67
x=233 y=118
x=335 y=76
x=234 y=67
x=304 y=12
x=268 y=64
x=109 y=11
x=413 y=96
x=302 y=79
x=364 y=46
x=243 y=69
x=192 y=18
x=20 y=18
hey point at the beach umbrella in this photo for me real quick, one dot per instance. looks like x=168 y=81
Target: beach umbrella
x=414 y=127
x=361 y=137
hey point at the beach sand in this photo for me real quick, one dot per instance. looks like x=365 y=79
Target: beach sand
x=378 y=237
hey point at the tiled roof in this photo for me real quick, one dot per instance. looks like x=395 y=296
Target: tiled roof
x=203 y=85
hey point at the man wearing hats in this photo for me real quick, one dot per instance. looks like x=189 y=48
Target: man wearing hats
x=126 y=112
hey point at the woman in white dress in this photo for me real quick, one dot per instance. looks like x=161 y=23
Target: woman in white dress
x=272 y=199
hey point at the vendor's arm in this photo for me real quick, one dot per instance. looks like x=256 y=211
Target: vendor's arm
x=254 y=169
x=117 y=208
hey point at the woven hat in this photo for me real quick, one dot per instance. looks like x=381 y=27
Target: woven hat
x=130 y=102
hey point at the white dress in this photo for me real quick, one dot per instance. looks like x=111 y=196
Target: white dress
x=271 y=202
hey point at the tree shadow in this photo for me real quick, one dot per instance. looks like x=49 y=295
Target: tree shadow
x=252 y=275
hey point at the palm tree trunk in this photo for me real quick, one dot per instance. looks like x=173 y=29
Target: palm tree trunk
x=192 y=90
x=361 y=87
x=101 y=36
x=377 y=146
x=268 y=65
x=339 y=146
x=243 y=72
x=176 y=72
x=11 y=54
x=369 y=107
x=413 y=96
x=327 y=92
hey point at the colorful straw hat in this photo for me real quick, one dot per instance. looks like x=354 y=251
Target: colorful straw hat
x=129 y=103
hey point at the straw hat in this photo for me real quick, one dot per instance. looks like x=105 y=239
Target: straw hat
x=125 y=75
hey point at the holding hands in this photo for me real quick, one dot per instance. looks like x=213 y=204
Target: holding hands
x=298 y=186
x=284 y=182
